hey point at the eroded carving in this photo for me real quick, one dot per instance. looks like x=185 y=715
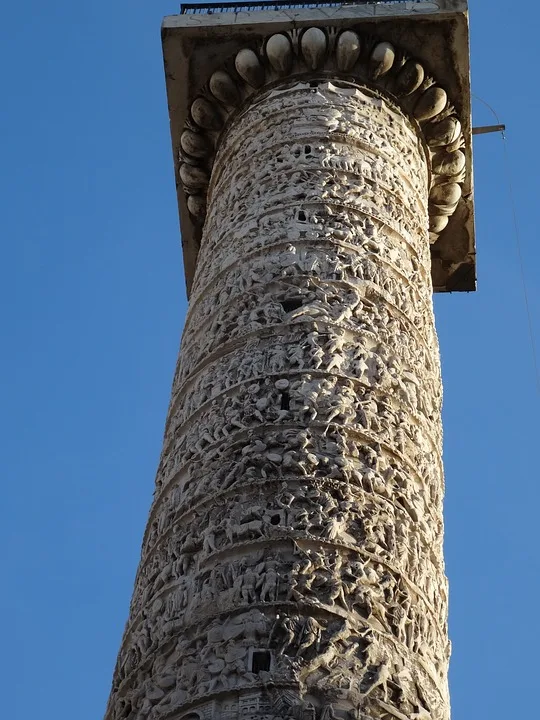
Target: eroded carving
x=292 y=564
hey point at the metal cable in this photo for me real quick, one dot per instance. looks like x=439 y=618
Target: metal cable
x=517 y=237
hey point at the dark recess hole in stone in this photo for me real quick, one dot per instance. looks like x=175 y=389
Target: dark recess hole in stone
x=275 y=519
x=289 y=305
x=307 y=149
x=285 y=401
x=302 y=216
x=260 y=662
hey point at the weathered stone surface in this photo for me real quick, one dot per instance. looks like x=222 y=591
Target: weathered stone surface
x=409 y=78
x=249 y=67
x=195 y=144
x=432 y=102
x=381 y=59
x=292 y=564
x=314 y=46
x=279 y=53
x=205 y=114
x=223 y=88
x=348 y=50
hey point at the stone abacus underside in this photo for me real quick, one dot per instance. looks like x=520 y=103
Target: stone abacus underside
x=292 y=565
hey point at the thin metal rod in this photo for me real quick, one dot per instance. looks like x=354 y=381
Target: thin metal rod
x=488 y=129
x=517 y=238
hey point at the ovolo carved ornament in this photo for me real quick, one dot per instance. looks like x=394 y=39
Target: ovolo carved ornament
x=344 y=55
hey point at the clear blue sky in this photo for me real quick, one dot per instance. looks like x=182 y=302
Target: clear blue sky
x=92 y=308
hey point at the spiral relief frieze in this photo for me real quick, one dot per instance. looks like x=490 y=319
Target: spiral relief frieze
x=292 y=564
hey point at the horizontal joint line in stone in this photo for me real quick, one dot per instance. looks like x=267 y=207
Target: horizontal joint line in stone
x=351 y=429
x=239 y=485
x=331 y=169
x=171 y=429
x=355 y=212
x=226 y=347
x=306 y=602
x=417 y=228
x=367 y=287
x=367 y=290
x=322 y=610
x=316 y=246
x=321 y=242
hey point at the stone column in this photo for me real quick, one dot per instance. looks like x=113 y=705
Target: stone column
x=292 y=564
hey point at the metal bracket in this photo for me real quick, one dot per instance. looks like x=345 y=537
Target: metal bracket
x=483 y=130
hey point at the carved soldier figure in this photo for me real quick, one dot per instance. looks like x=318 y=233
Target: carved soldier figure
x=269 y=586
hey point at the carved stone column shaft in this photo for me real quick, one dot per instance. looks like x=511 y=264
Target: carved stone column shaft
x=292 y=564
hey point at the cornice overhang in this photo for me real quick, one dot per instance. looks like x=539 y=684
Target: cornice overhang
x=201 y=54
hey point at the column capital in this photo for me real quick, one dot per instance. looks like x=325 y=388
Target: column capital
x=415 y=54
